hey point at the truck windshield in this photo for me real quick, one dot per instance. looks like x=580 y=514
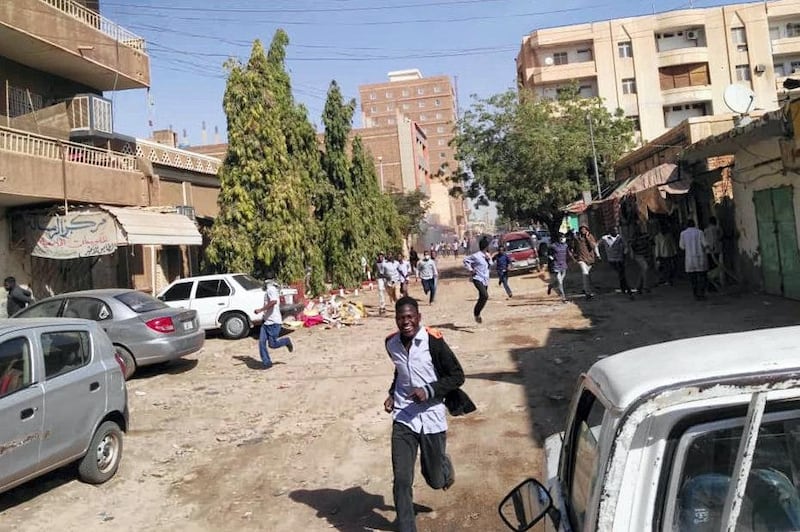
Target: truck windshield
x=706 y=458
x=517 y=245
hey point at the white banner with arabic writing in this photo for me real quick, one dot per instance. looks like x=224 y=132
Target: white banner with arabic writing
x=72 y=236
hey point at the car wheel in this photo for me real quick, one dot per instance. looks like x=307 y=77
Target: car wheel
x=105 y=452
x=127 y=358
x=235 y=325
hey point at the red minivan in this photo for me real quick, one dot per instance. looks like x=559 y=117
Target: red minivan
x=521 y=249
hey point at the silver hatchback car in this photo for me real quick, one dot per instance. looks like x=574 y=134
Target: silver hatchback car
x=144 y=330
x=62 y=399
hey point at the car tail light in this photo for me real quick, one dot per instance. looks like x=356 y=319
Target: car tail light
x=164 y=325
x=121 y=362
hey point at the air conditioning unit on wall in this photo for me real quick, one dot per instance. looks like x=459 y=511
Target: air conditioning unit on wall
x=692 y=35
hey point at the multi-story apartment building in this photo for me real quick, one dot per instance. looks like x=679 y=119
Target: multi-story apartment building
x=401 y=154
x=82 y=205
x=431 y=103
x=661 y=69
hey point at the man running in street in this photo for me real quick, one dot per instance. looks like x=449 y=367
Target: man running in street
x=478 y=265
x=273 y=321
x=429 y=273
x=425 y=371
x=501 y=264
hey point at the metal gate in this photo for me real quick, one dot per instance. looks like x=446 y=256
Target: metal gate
x=777 y=239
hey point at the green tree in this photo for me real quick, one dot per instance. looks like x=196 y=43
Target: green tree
x=265 y=219
x=533 y=156
x=342 y=228
x=412 y=207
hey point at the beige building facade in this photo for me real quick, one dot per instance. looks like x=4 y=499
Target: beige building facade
x=431 y=103
x=61 y=157
x=401 y=155
x=662 y=69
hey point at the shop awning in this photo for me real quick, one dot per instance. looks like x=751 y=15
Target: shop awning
x=654 y=177
x=143 y=226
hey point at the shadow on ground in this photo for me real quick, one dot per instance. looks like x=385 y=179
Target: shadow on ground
x=615 y=324
x=350 y=510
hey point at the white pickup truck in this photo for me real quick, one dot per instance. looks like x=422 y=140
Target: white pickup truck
x=693 y=435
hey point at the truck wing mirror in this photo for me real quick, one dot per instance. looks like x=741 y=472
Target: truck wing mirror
x=526 y=505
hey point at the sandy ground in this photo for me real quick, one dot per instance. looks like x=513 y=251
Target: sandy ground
x=218 y=444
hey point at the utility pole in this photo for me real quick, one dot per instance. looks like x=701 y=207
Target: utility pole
x=594 y=157
x=380 y=162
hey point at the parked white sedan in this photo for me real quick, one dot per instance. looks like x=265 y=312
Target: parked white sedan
x=223 y=301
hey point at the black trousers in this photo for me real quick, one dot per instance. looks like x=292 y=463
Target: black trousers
x=483 y=297
x=619 y=266
x=698 y=280
x=436 y=468
x=429 y=287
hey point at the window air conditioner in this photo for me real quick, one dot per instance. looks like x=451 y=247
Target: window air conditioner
x=692 y=35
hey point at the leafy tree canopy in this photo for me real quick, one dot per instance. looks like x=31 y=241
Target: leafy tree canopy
x=533 y=156
x=412 y=207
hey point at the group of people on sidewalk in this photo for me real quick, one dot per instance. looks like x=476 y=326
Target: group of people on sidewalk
x=701 y=250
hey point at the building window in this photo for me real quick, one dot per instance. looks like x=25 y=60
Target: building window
x=406 y=106
x=437 y=89
x=389 y=94
x=405 y=92
x=625 y=49
x=374 y=109
x=442 y=155
x=438 y=115
x=421 y=104
x=423 y=116
x=739 y=38
x=793 y=29
x=586 y=91
x=440 y=129
x=437 y=102
x=420 y=91
x=780 y=71
x=560 y=58
x=390 y=107
x=742 y=72
x=373 y=96
x=22 y=102
x=390 y=121
x=441 y=142
x=795 y=67
x=629 y=86
x=584 y=55
x=679 y=76
x=774 y=32
x=637 y=125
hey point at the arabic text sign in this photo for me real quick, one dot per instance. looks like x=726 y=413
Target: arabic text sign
x=76 y=235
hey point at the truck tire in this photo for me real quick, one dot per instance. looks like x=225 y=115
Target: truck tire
x=235 y=325
x=104 y=455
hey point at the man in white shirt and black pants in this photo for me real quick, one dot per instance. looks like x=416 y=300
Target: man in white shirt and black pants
x=426 y=370
x=273 y=321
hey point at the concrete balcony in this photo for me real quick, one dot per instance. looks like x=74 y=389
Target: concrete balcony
x=36 y=169
x=64 y=38
x=556 y=73
x=786 y=45
x=685 y=95
x=682 y=56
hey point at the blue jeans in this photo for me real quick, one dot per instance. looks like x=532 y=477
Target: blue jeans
x=269 y=336
x=503 y=278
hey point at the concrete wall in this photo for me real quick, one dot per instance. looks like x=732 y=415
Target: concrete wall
x=12 y=262
x=751 y=175
x=39 y=178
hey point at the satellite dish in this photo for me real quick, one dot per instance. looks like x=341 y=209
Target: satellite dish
x=548 y=61
x=739 y=98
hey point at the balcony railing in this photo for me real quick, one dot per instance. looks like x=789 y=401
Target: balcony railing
x=23 y=143
x=99 y=22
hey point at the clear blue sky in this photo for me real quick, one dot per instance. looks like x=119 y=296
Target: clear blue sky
x=351 y=41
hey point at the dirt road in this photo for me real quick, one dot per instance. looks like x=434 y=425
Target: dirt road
x=218 y=444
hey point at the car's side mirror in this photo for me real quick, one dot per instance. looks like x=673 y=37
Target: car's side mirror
x=526 y=505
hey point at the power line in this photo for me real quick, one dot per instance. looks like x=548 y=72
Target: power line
x=288 y=10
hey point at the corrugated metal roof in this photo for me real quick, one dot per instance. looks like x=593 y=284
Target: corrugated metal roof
x=141 y=226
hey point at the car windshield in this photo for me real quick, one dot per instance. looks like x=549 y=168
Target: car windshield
x=139 y=302
x=516 y=245
x=247 y=282
x=543 y=234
